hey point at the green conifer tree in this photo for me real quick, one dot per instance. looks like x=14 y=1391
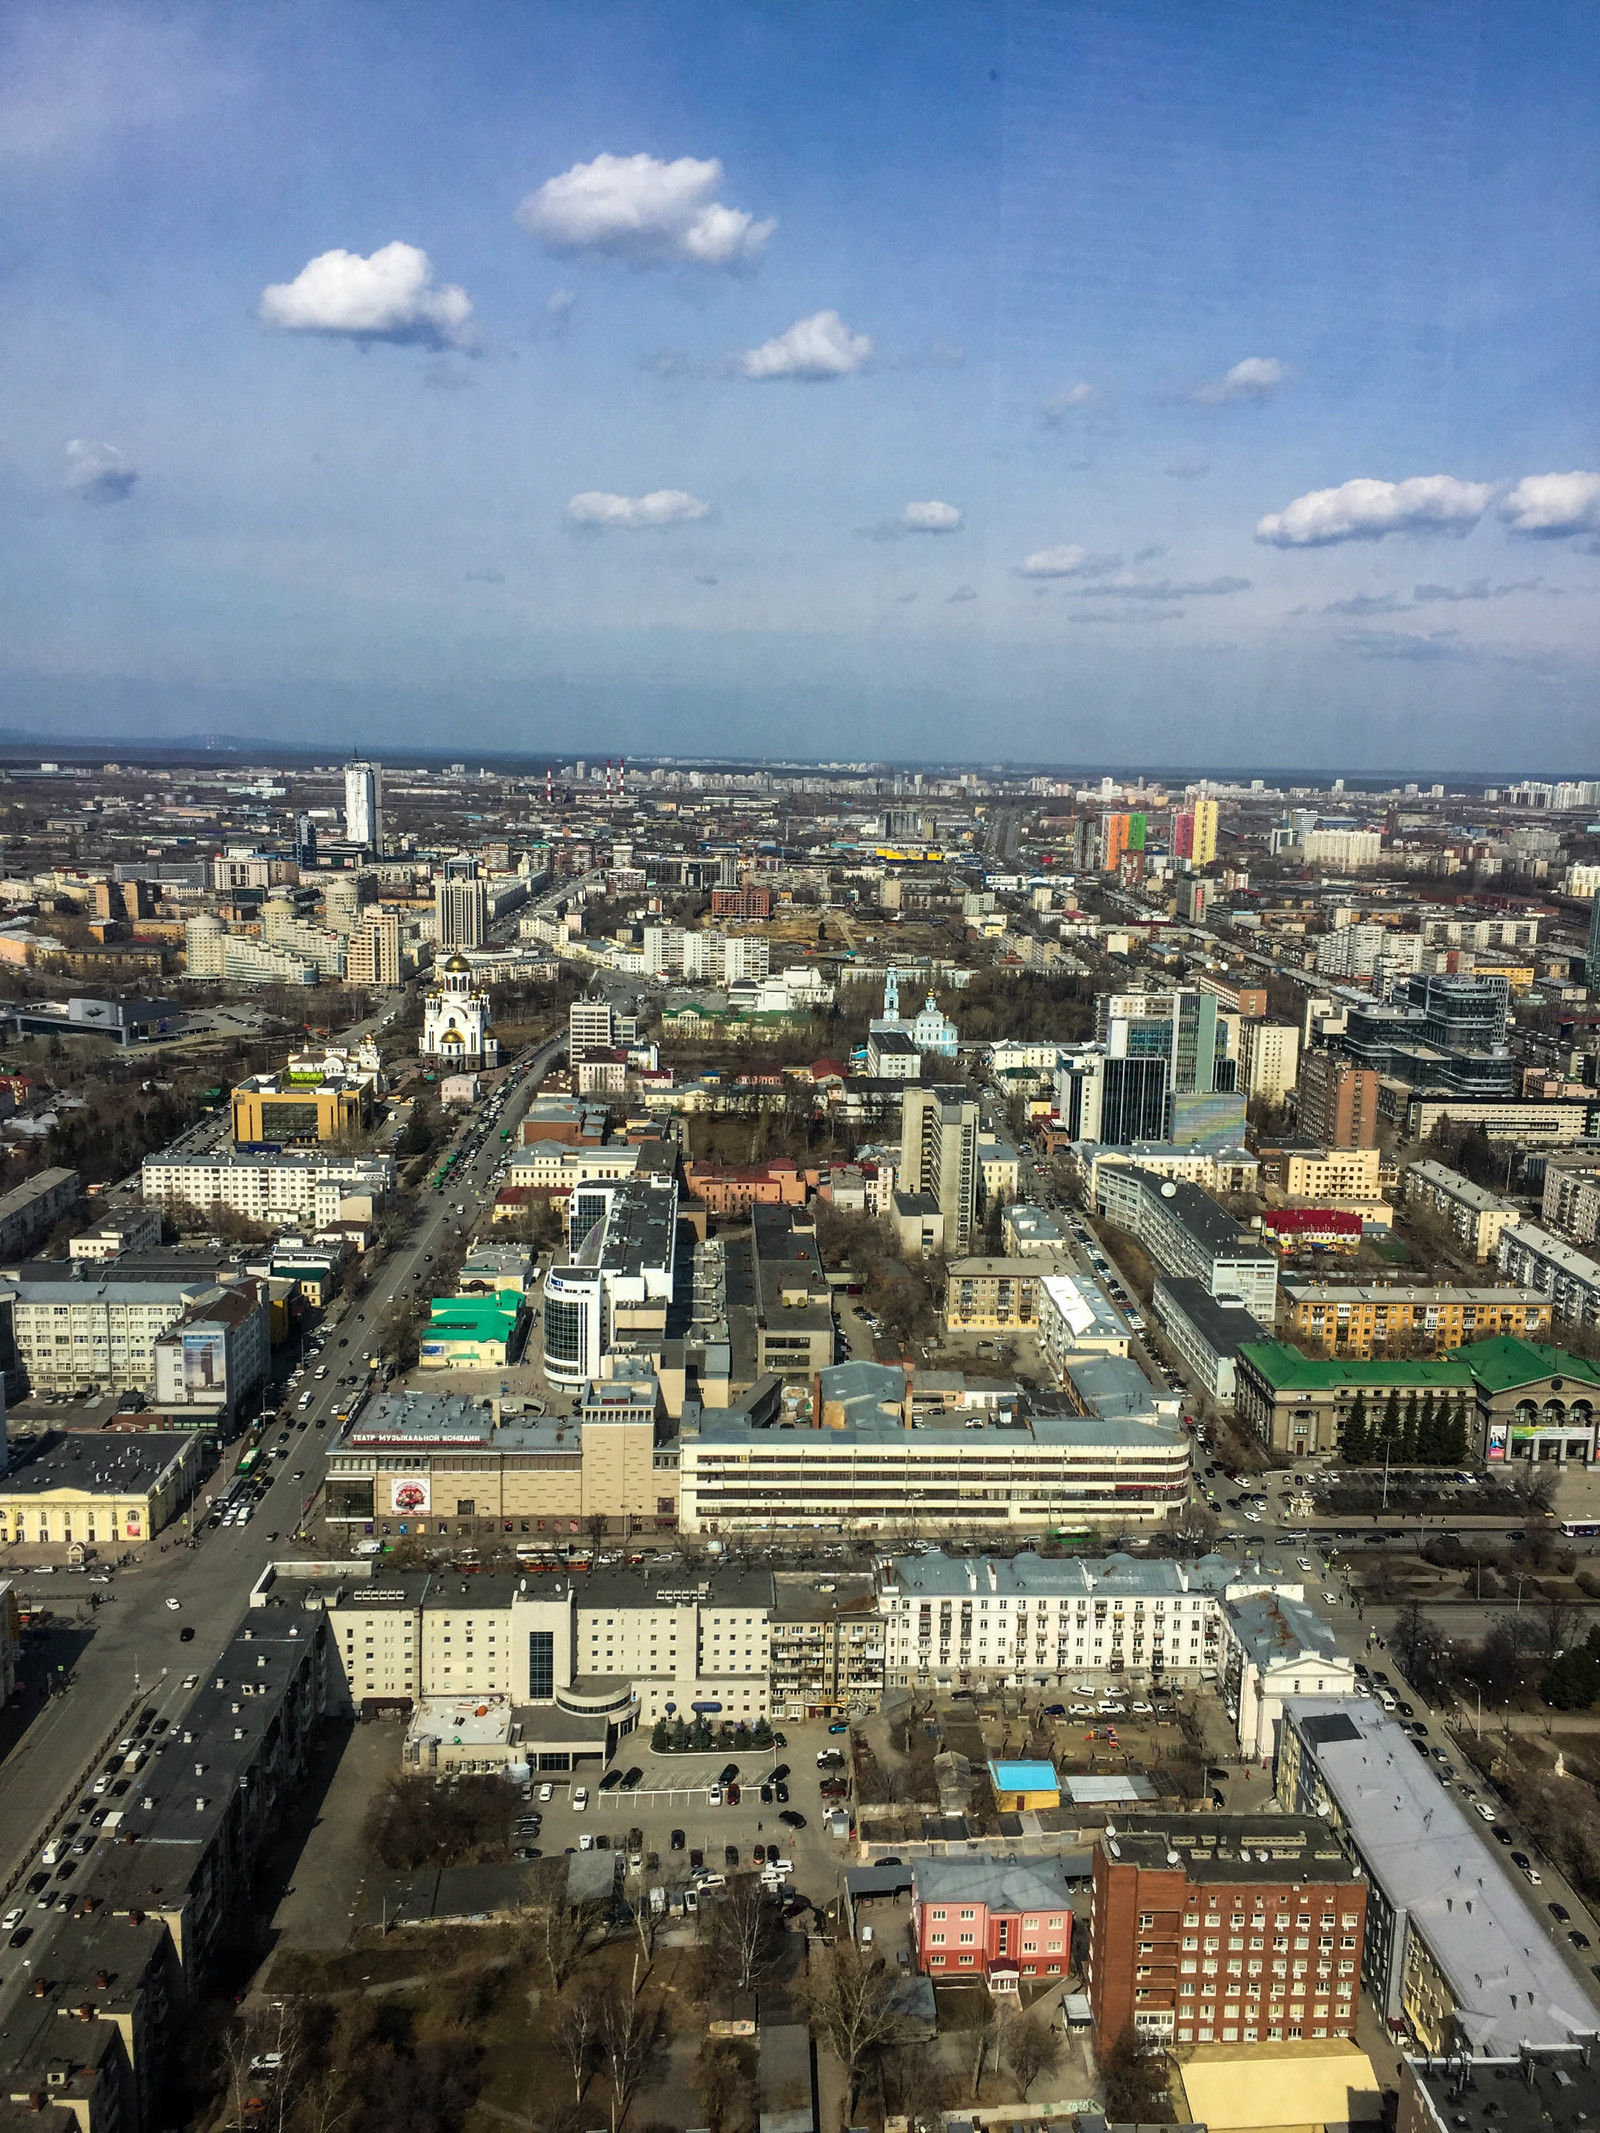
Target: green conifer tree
x=1405 y=1452
x=1460 y=1432
x=1355 y=1439
x=1427 y=1432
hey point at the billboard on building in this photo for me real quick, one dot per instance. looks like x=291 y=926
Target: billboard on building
x=1496 y=1446
x=204 y=1362
x=410 y=1497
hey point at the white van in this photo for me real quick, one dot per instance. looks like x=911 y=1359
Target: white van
x=580 y=1798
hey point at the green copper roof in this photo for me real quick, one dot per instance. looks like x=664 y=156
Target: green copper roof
x=1287 y=1370
x=471 y=1318
x=1503 y=1363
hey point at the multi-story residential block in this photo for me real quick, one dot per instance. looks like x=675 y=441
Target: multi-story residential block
x=993 y=1295
x=1537 y=1260
x=794 y=1325
x=1299 y=1404
x=1075 y=1317
x=1345 y=850
x=827 y=1647
x=30 y=1211
x=1336 y=1101
x=939 y=1155
x=748 y=901
x=1351 y=1320
x=1230 y=1929
x=1002 y=1920
x=1274 y=1648
x=1321 y=1175
x=373 y=953
x=1269 y=1056
x=292 y=1186
x=1187 y=1233
x=1476 y=1216
x=1572 y=1192
x=1452 y=1947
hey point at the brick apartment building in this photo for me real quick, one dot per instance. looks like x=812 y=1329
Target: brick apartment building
x=744 y=902
x=1338 y=1101
x=1228 y=1929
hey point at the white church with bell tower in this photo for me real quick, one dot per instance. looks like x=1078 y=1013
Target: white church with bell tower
x=455 y=1022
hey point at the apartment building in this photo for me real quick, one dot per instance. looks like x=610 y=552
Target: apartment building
x=997 y=1919
x=1075 y=1317
x=290 y=1187
x=1452 y=1946
x=794 y=1326
x=1476 y=1217
x=1356 y=1321
x=993 y=1295
x=1035 y=1621
x=939 y=1155
x=1227 y=1929
x=1269 y=1057
x=625 y=1646
x=373 y=952
x=554 y=1167
x=1572 y=1192
x=460 y=912
x=1535 y=1259
x=1320 y=1175
x=30 y=1211
x=1336 y=1101
x=1187 y=1233
x=826 y=1646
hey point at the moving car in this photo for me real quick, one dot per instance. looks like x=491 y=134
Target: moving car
x=792 y=1820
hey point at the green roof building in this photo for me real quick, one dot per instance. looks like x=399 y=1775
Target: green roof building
x=471 y=1332
x=1534 y=1401
x=1299 y=1403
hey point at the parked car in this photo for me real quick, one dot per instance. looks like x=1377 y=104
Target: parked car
x=792 y=1820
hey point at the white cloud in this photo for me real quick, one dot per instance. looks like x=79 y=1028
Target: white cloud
x=559 y=302
x=644 y=210
x=390 y=296
x=661 y=507
x=1256 y=378
x=1367 y=510
x=821 y=346
x=1126 y=588
x=1061 y=404
x=99 y=473
x=1069 y=562
x=932 y=517
x=1551 y=505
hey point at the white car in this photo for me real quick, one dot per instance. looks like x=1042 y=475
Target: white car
x=191 y=1681
x=1081 y=1710
x=547 y=1792
x=13 y=1918
x=173 y=1604
x=580 y=1798
x=1303 y=1563
x=1113 y=1710
x=1252 y=1518
x=586 y=1842
x=1330 y=1599
x=1485 y=1810
x=1144 y=1709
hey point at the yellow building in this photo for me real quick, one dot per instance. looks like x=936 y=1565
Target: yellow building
x=1205 y=832
x=994 y=1295
x=108 y=1491
x=1355 y=1321
x=265 y=1110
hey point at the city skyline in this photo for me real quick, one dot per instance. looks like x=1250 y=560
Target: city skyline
x=972 y=382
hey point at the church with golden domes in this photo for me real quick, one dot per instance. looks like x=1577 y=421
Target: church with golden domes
x=455 y=1022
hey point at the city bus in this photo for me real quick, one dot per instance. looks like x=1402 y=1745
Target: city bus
x=247 y=1464
x=1581 y=1528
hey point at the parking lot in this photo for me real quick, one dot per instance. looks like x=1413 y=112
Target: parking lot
x=674 y=1794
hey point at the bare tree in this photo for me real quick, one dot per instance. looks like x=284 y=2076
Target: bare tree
x=557 y=1934
x=850 y=2003
x=743 y=1933
x=628 y=2033
x=988 y=2020
x=1030 y=2049
x=575 y=2031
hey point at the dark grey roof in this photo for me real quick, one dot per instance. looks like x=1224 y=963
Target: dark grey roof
x=1223 y=1326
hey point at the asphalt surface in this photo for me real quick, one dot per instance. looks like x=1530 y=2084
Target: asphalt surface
x=135 y=1648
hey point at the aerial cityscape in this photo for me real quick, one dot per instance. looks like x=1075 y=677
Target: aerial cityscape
x=799 y=1069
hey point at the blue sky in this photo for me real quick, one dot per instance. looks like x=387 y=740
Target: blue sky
x=1039 y=381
